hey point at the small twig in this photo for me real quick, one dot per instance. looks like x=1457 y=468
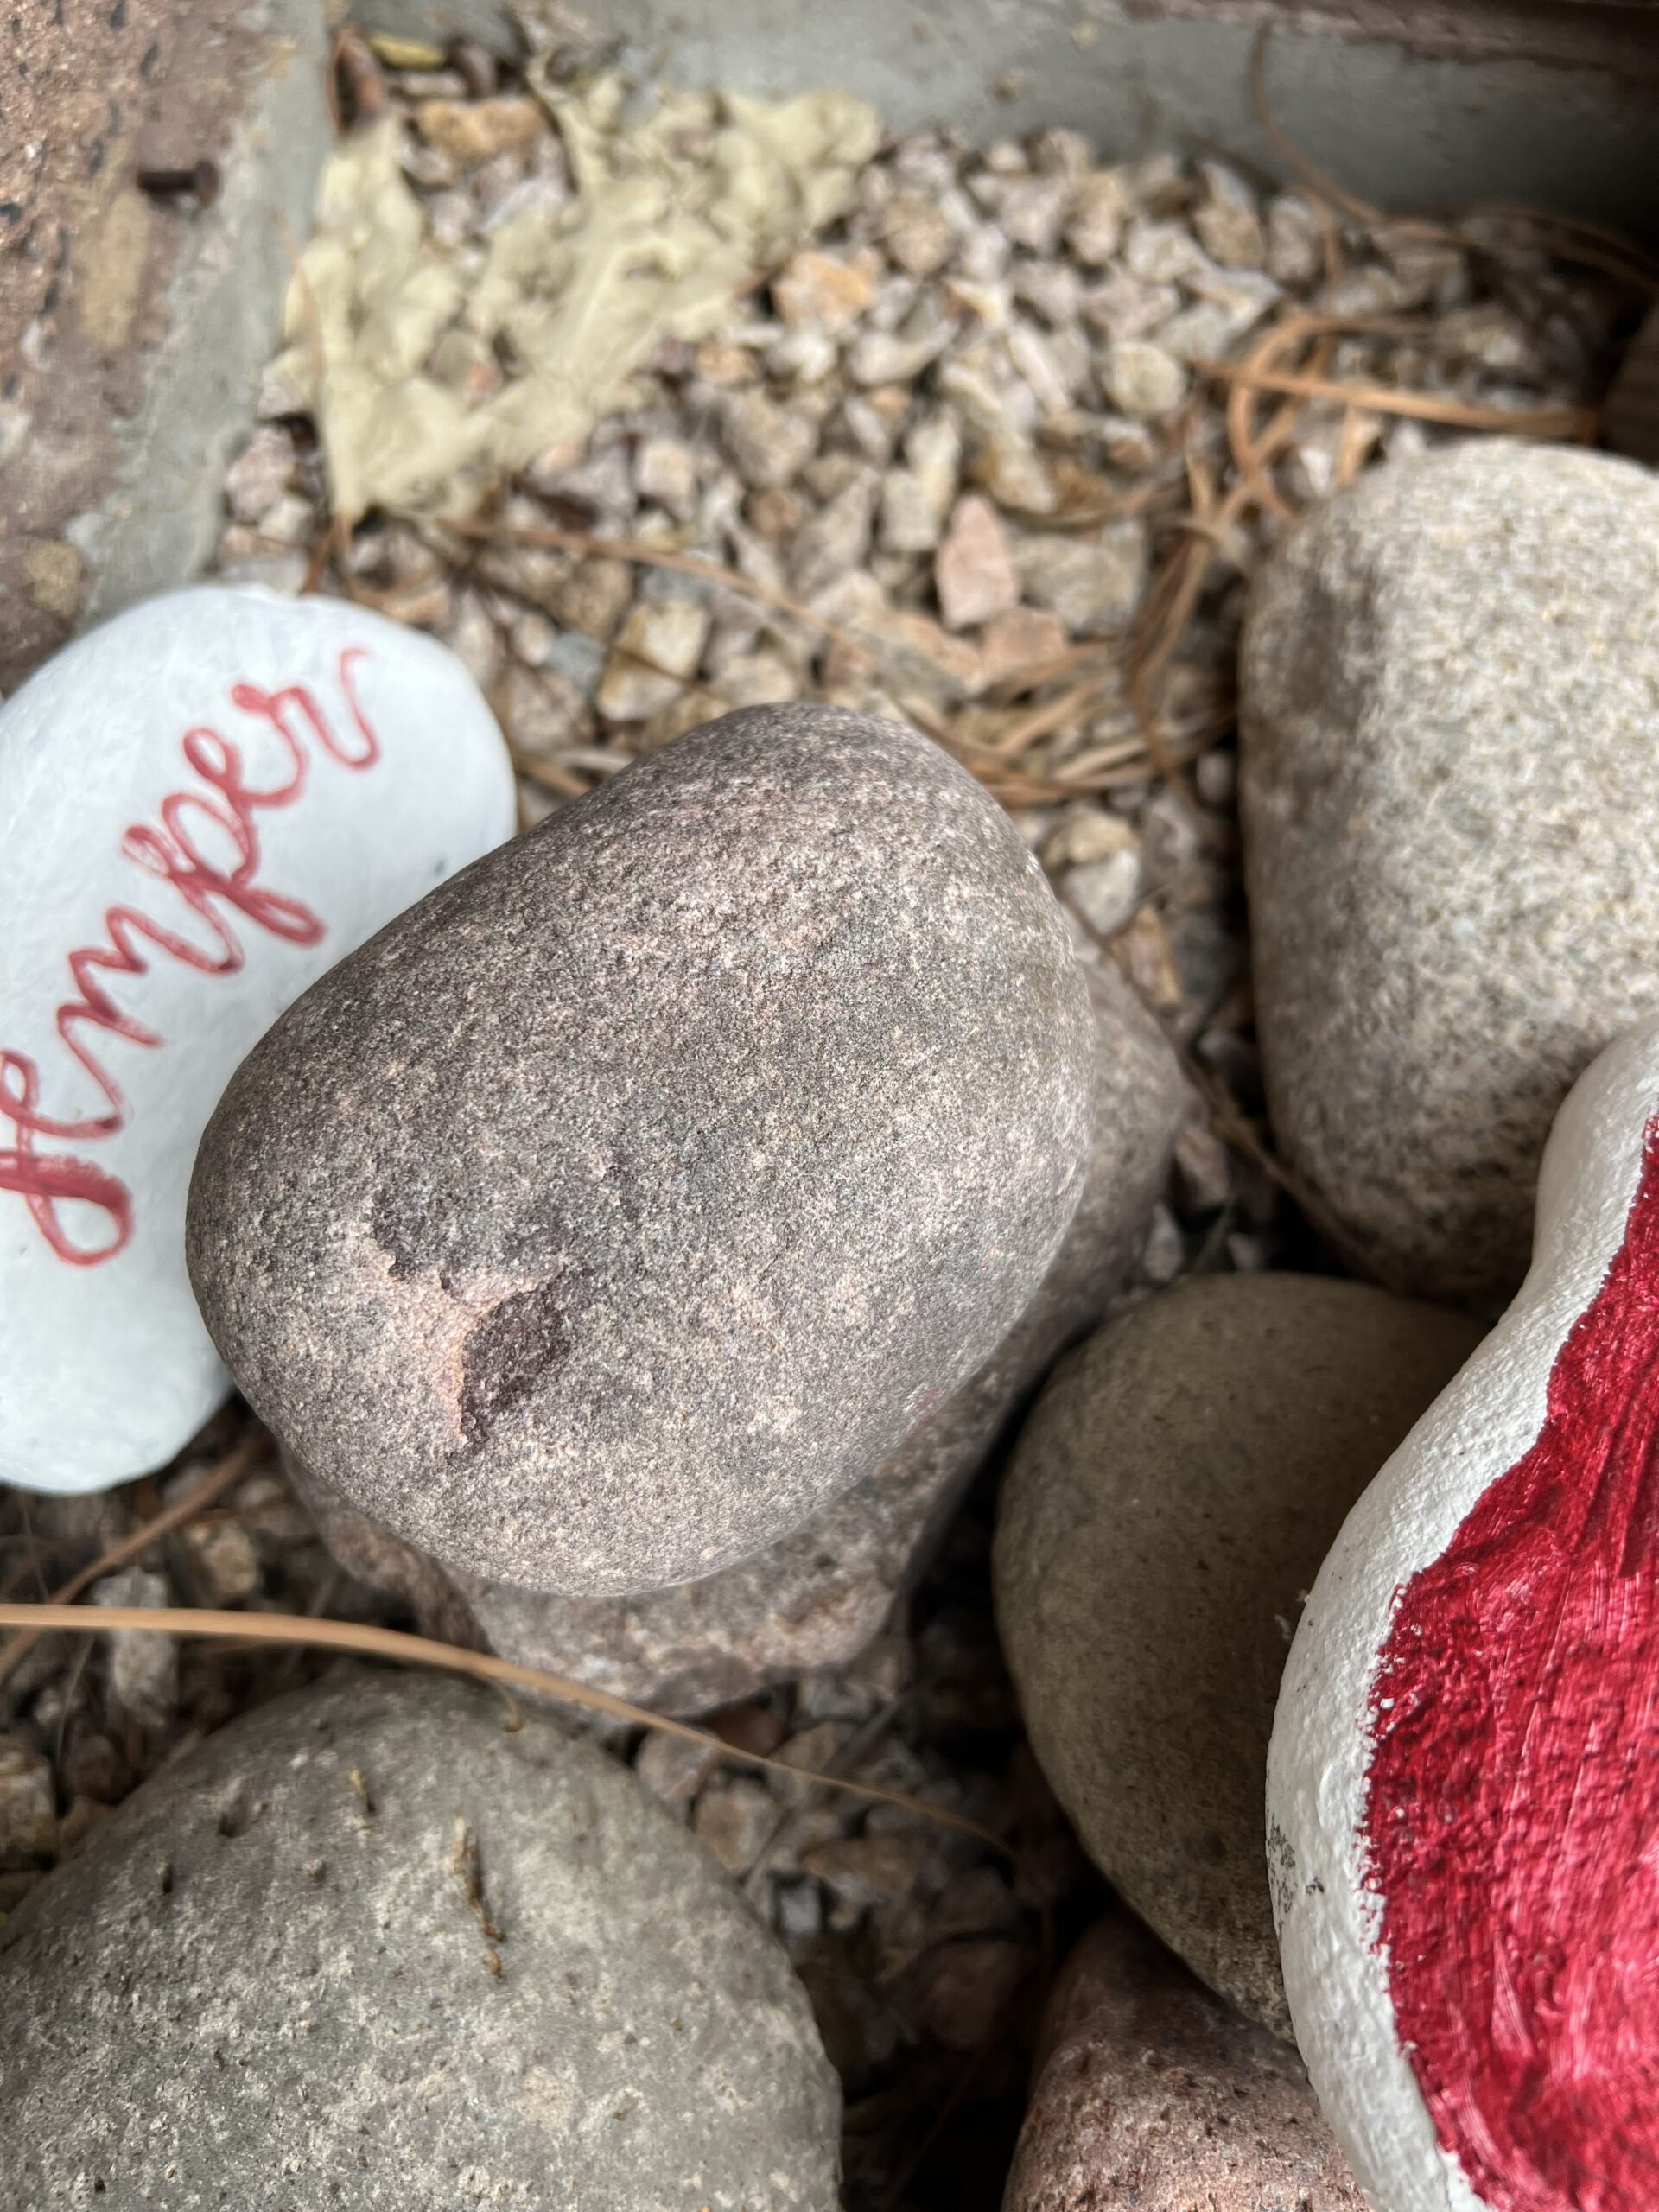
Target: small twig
x=366 y=1642
x=213 y=1487
x=1426 y=406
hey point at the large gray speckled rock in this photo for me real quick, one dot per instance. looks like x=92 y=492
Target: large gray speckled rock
x=1168 y=1504
x=367 y=1949
x=817 y=1596
x=1450 y=711
x=636 y=1193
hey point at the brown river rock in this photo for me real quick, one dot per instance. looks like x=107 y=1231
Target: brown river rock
x=817 y=1596
x=1153 y=2093
x=635 y=1195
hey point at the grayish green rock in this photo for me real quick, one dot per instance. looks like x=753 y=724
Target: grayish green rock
x=1168 y=1504
x=364 y=1949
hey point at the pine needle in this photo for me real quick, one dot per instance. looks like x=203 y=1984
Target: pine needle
x=230 y=1471
x=1555 y=422
x=368 y=1642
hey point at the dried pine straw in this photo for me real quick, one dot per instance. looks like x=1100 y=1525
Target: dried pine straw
x=1541 y=422
x=297 y=1630
x=1004 y=733
x=247 y=1455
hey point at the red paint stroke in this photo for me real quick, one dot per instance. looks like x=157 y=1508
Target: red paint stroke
x=1512 y=1821
x=224 y=816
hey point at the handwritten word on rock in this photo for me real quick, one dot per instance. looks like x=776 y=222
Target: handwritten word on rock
x=203 y=805
x=1464 y=1786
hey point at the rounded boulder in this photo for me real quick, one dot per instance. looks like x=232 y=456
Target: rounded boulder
x=365 y=1948
x=637 y=1193
x=1166 y=1509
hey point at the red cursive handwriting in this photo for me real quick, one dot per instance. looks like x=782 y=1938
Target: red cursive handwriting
x=178 y=850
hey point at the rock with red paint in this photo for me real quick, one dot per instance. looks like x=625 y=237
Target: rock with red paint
x=1168 y=1501
x=632 y=1198
x=817 y=1596
x=203 y=805
x=1449 y=700
x=1464 y=1782
x=1152 y=2092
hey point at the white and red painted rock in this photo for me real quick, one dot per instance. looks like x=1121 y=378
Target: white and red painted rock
x=203 y=805
x=1463 y=1794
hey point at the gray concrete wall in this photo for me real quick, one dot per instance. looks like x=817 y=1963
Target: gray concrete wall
x=1406 y=104
x=222 y=321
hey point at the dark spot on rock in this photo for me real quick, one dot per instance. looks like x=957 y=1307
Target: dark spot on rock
x=236 y=1819
x=406 y=1234
x=507 y=1354
x=118 y=16
x=152 y=55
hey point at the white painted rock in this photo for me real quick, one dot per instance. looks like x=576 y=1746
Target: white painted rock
x=203 y=805
x=1463 y=1792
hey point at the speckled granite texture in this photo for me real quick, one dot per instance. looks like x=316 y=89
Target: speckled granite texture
x=636 y=1193
x=365 y=1948
x=1450 y=713
x=816 y=1597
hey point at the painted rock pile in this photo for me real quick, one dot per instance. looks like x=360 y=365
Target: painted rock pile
x=639 y=1245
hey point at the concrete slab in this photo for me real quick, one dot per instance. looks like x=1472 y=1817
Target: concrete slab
x=133 y=330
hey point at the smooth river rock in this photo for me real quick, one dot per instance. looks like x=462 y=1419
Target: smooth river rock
x=1450 y=713
x=637 y=1193
x=1152 y=2094
x=1166 y=1509
x=203 y=805
x=365 y=1948
x=819 y=1595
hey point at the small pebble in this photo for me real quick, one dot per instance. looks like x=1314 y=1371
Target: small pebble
x=734 y=1819
x=973 y=571
x=471 y=131
x=768 y=444
x=1143 y=379
x=29 y=1817
x=1094 y=585
x=143 y=1667
x=1105 y=892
